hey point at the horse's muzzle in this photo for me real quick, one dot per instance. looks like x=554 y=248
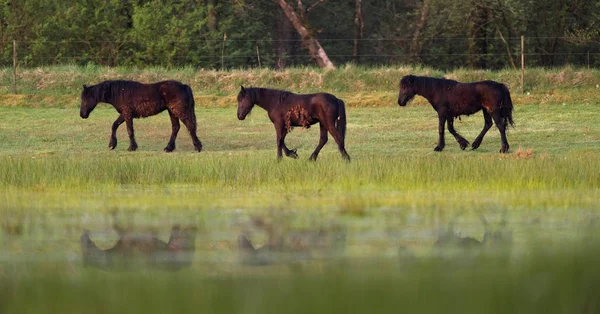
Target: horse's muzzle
x=84 y=115
x=241 y=116
x=402 y=101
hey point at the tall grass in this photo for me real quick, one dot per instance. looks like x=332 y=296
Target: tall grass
x=247 y=172
x=60 y=86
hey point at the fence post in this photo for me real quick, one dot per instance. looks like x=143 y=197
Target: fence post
x=258 y=56
x=14 y=67
x=588 y=59
x=522 y=64
x=223 y=52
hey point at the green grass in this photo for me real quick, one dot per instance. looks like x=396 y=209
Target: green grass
x=554 y=150
x=57 y=177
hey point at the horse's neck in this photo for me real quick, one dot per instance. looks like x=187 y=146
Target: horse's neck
x=262 y=100
x=102 y=94
x=426 y=93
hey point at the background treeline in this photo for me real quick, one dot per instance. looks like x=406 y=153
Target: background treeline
x=444 y=34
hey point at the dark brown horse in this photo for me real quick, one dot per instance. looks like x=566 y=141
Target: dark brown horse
x=452 y=99
x=138 y=100
x=287 y=110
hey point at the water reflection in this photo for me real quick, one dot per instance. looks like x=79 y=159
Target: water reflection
x=286 y=245
x=135 y=249
x=502 y=236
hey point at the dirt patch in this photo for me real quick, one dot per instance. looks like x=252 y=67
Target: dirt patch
x=522 y=153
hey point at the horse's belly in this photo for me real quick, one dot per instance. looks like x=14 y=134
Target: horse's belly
x=146 y=108
x=460 y=109
x=303 y=121
x=298 y=116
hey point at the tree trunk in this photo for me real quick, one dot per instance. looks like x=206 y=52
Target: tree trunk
x=415 y=47
x=477 y=36
x=212 y=16
x=313 y=46
x=283 y=43
x=358 y=29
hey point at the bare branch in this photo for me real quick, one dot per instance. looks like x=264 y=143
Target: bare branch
x=301 y=9
x=314 y=5
x=508 y=52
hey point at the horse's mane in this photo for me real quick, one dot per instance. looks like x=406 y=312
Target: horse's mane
x=110 y=91
x=428 y=83
x=274 y=94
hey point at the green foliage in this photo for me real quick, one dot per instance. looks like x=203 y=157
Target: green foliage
x=191 y=32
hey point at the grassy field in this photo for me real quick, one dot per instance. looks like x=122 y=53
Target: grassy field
x=391 y=203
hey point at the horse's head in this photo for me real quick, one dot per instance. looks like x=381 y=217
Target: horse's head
x=88 y=102
x=407 y=90
x=245 y=103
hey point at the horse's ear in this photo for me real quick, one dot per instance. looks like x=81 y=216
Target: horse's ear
x=243 y=90
x=85 y=86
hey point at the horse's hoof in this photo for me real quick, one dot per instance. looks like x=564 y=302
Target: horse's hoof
x=132 y=148
x=503 y=150
x=169 y=149
x=112 y=147
x=199 y=149
x=312 y=158
x=438 y=148
x=464 y=145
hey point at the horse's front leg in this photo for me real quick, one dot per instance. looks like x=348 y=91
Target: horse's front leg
x=113 y=136
x=292 y=153
x=461 y=140
x=442 y=121
x=280 y=134
x=132 y=144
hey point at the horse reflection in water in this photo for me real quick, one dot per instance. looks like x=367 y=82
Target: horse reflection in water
x=285 y=246
x=135 y=249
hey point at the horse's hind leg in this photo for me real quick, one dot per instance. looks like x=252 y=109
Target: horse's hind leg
x=461 y=140
x=113 y=136
x=488 y=124
x=175 y=129
x=338 y=139
x=190 y=124
x=322 y=142
x=501 y=125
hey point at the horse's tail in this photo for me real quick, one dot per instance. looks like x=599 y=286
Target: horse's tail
x=189 y=95
x=506 y=107
x=341 y=119
x=191 y=103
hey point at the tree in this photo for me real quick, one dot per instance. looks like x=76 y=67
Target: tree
x=309 y=41
x=358 y=29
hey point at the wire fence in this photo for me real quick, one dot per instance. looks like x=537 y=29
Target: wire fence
x=438 y=52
